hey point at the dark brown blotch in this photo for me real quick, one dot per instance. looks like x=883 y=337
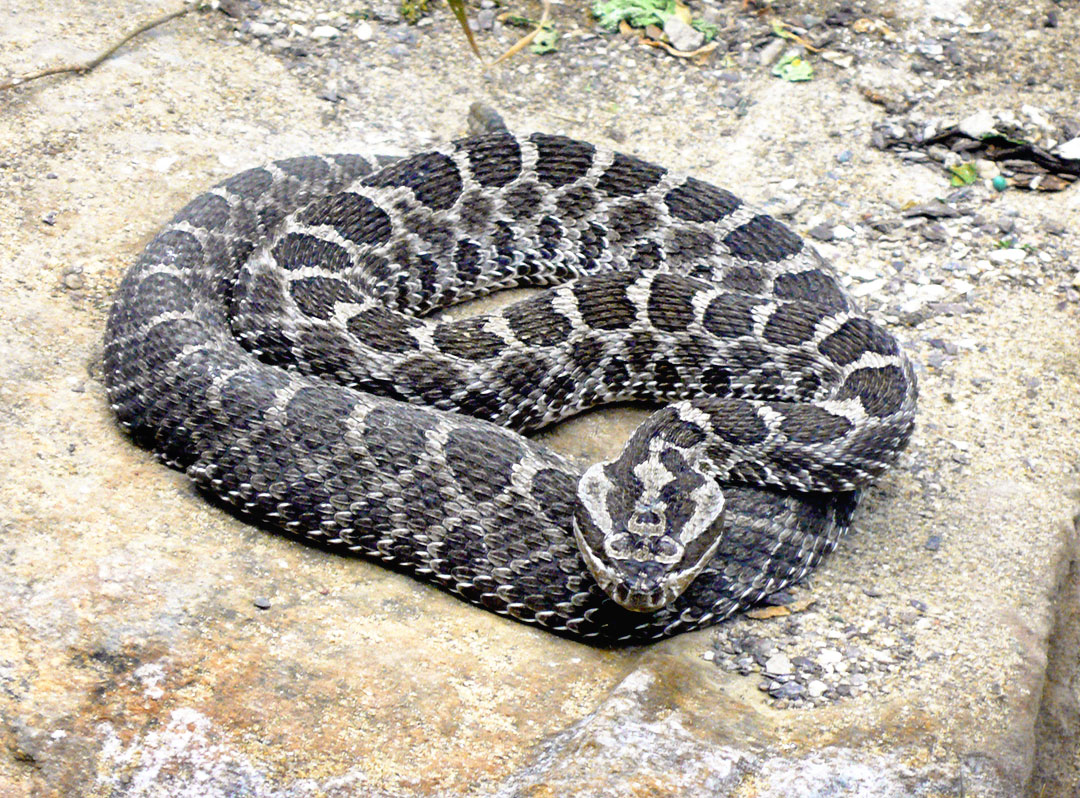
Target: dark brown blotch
x=697 y=201
x=467 y=339
x=535 y=322
x=384 y=330
x=483 y=466
x=522 y=200
x=302 y=250
x=209 y=211
x=317 y=296
x=631 y=220
x=306 y=168
x=763 y=239
x=744 y=278
x=854 y=338
x=792 y=323
x=671 y=302
x=813 y=285
x=494 y=160
x=628 y=176
x=647 y=255
x=684 y=244
x=561 y=160
x=603 y=303
x=729 y=315
x=812 y=424
x=252 y=184
x=882 y=391
x=576 y=203
x=354 y=216
x=432 y=177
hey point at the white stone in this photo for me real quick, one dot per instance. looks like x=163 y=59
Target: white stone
x=829 y=657
x=842 y=231
x=363 y=31
x=866 y=273
x=683 y=37
x=1069 y=149
x=325 y=32
x=1010 y=255
x=816 y=687
x=962 y=287
x=867 y=289
x=978 y=124
x=778 y=665
x=1036 y=115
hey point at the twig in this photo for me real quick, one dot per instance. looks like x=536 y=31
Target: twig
x=525 y=40
x=81 y=69
x=458 y=7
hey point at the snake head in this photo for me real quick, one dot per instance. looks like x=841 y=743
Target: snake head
x=647 y=523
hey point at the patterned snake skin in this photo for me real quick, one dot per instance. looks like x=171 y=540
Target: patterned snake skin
x=280 y=342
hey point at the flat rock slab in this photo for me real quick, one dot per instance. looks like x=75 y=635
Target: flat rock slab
x=151 y=645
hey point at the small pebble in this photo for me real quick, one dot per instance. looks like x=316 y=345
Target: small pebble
x=787 y=690
x=730 y=98
x=843 y=157
x=778 y=665
x=829 y=657
x=682 y=36
x=261 y=603
x=935 y=233
x=49 y=218
x=771 y=52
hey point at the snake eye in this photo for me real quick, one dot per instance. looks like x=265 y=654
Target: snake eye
x=667 y=550
x=619 y=547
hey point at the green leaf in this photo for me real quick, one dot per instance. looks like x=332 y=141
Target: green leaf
x=793 y=68
x=642 y=13
x=544 y=41
x=963 y=174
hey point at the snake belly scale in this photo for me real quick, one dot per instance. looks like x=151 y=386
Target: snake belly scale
x=281 y=342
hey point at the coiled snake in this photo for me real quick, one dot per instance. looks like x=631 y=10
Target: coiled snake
x=279 y=341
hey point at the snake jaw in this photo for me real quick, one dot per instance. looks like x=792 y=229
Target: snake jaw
x=645 y=539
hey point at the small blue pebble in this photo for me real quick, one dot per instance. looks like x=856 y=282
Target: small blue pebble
x=1000 y=183
x=844 y=156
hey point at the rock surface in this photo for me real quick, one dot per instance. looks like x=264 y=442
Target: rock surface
x=151 y=645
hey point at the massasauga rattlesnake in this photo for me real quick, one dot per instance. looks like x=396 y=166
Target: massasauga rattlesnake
x=280 y=342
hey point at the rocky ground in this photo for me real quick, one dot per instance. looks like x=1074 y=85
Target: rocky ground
x=154 y=646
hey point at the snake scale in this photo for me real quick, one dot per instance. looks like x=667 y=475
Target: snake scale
x=281 y=341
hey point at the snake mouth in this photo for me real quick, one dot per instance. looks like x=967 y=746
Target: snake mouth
x=643 y=587
x=640 y=602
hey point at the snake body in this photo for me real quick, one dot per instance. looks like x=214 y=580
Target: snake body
x=280 y=341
